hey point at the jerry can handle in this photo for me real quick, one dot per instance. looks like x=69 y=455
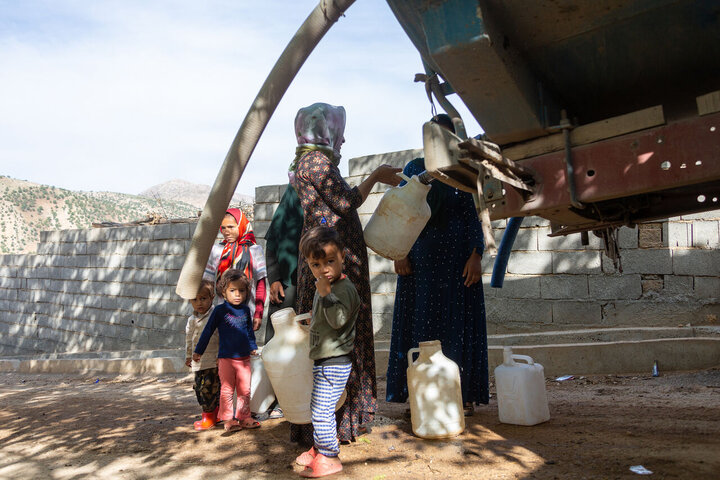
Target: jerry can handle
x=410 y=355
x=529 y=360
x=403 y=176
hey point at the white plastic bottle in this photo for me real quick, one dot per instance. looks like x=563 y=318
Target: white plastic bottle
x=522 y=399
x=398 y=219
x=434 y=392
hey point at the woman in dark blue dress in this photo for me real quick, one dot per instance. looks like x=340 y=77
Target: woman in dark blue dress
x=439 y=294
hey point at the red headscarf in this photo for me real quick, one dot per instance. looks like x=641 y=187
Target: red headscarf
x=237 y=254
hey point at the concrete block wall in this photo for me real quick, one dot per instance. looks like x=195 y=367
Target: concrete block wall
x=95 y=290
x=671 y=271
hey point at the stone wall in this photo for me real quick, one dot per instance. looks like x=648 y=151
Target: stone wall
x=95 y=290
x=671 y=271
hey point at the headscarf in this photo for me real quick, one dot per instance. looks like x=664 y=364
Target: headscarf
x=319 y=127
x=237 y=254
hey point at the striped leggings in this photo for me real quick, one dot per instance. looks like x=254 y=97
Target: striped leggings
x=328 y=384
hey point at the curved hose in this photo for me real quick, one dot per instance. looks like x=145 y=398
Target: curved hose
x=297 y=51
x=511 y=231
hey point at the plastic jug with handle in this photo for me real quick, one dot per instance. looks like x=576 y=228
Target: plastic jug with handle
x=261 y=391
x=398 y=219
x=286 y=358
x=436 y=408
x=522 y=399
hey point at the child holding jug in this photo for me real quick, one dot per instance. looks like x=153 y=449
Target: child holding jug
x=332 y=340
x=234 y=324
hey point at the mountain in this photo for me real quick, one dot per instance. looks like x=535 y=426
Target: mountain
x=28 y=208
x=192 y=193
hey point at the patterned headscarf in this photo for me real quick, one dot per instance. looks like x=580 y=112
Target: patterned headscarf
x=237 y=254
x=319 y=127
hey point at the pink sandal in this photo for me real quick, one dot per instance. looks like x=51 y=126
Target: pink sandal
x=249 y=423
x=306 y=458
x=232 y=425
x=320 y=467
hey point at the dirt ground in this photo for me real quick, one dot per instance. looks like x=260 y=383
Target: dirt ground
x=122 y=427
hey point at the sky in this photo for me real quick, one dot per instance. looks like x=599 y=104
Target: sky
x=122 y=95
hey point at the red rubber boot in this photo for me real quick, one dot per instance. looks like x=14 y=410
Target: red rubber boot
x=209 y=419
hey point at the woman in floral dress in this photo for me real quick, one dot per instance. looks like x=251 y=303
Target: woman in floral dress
x=328 y=200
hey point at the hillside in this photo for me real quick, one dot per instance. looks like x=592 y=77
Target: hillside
x=193 y=193
x=28 y=208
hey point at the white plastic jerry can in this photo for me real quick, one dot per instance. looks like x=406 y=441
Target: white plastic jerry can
x=521 y=395
x=398 y=219
x=286 y=358
x=261 y=391
x=434 y=392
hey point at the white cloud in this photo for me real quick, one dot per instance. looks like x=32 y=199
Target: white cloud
x=124 y=95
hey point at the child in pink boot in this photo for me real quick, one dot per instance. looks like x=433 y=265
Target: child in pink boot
x=207 y=381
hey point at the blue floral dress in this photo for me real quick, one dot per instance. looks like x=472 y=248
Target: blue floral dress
x=433 y=304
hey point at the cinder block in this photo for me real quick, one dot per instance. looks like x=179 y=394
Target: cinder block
x=362 y=166
x=382 y=326
x=260 y=228
x=110 y=303
x=705 y=234
x=10 y=283
x=488 y=291
x=627 y=237
x=364 y=219
x=267 y=194
x=7 y=271
x=581 y=314
x=526 y=239
x=378 y=264
x=652 y=283
x=159 y=292
x=517 y=315
x=108 y=288
x=264 y=211
x=529 y=263
x=564 y=286
x=576 y=262
x=611 y=287
x=7 y=294
x=48 y=248
x=383 y=283
x=678 y=285
x=650 y=235
x=167 y=247
x=709 y=215
x=654 y=261
x=370 y=204
x=678 y=234
x=140 y=248
x=707 y=287
x=382 y=303
x=169 y=231
x=696 y=262
x=50 y=236
x=165 y=322
x=519 y=286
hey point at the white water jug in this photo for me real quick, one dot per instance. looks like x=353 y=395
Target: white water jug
x=261 y=391
x=521 y=395
x=436 y=408
x=286 y=358
x=398 y=219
